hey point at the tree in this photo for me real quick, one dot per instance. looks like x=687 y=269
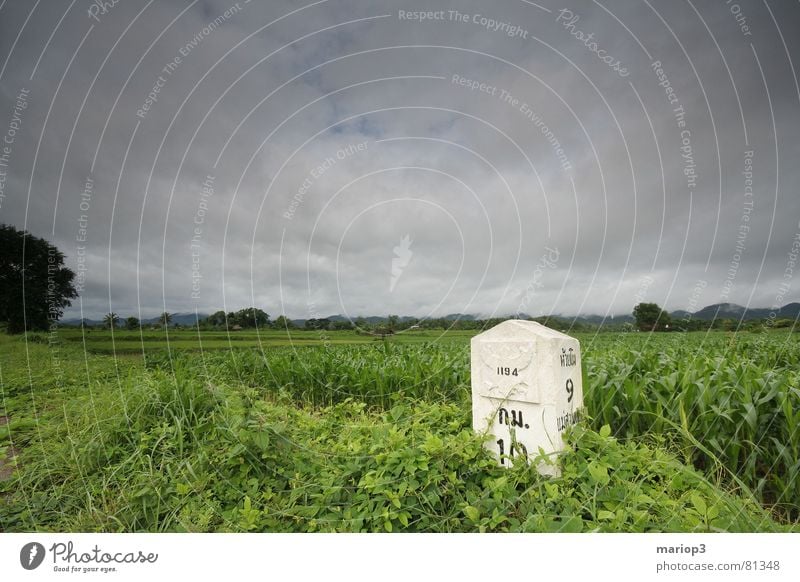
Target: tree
x=650 y=317
x=132 y=323
x=217 y=319
x=35 y=287
x=382 y=331
x=283 y=323
x=165 y=318
x=393 y=322
x=317 y=324
x=111 y=320
x=251 y=317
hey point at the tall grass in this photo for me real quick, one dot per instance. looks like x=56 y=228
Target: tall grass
x=731 y=405
x=377 y=374
x=737 y=398
x=378 y=437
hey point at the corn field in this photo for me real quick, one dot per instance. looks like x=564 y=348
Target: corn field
x=684 y=432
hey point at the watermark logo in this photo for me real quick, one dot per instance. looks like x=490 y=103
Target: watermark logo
x=568 y=20
x=402 y=256
x=31 y=555
x=99 y=8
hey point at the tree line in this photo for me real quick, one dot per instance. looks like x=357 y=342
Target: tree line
x=36 y=287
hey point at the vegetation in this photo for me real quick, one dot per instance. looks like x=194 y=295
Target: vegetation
x=689 y=432
x=731 y=404
x=650 y=317
x=35 y=287
x=111 y=320
x=249 y=318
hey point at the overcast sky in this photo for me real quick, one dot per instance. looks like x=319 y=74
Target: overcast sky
x=350 y=157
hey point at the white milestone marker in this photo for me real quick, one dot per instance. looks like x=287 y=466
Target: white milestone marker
x=526 y=389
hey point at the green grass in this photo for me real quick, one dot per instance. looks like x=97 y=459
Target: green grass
x=688 y=433
x=149 y=341
x=730 y=402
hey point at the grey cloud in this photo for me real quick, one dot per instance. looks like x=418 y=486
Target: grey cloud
x=141 y=242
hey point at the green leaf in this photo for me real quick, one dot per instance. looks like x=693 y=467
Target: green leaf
x=598 y=472
x=573 y=524
x=699 y=503
x=604 y=514
x=684 y=419
x=388 y=525
x=472 y=513
x=750 y=416
x=551 y=489
x=261 y=440
x=713 y=512
x=605 y=431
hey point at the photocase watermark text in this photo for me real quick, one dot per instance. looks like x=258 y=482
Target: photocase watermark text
x=65 y=553
x=6 y=147
x=679 y=114
x=317 y=172
x=82 y=235
x=523 y=107
x=744 y=227
x=739 y=16
x=169 y=69
x=206 y=193
x=100 y=8
x=568 y=20
x=490 y=24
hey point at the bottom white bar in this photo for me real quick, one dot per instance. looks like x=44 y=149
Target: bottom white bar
x=401 y=556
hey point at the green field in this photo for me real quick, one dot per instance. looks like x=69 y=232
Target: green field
x=333 y=431
x=139 y=342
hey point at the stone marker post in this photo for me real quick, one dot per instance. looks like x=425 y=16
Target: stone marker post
x=526 y=389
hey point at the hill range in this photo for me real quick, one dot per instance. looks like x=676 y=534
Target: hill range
x=709 y=313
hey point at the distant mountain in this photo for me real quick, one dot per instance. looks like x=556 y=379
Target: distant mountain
x=790 y=311
x=371 y=319
x=76 y=322
x=179 y=319
x=338 y=318
x=460 y=316
x=725 y=311
x=601 y=319
x=184 y=319
x=708 y=313
x=729 y=311
x=737 y=312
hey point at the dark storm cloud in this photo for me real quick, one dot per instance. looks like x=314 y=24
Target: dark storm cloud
x=343 y=157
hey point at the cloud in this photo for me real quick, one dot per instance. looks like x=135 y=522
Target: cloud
x=545 y=145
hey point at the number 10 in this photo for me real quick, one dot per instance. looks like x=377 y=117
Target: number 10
x=515 y=446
